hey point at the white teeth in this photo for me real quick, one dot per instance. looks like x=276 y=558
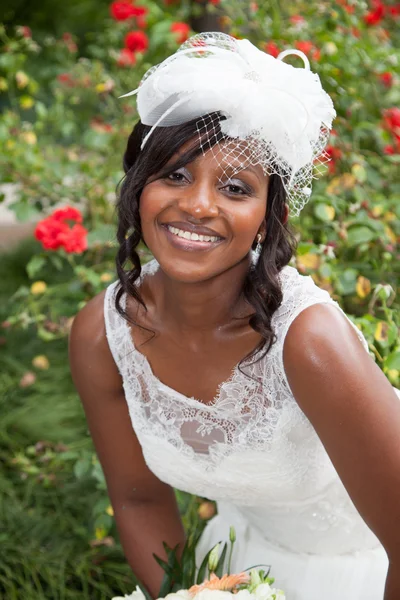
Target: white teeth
x=191 y=236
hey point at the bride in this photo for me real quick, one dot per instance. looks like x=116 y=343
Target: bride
x=217 y=368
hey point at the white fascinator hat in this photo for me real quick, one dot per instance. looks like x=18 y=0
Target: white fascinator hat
x=269 y=113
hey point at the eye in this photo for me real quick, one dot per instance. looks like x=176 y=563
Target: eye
x=177 y=177
x=238 y=189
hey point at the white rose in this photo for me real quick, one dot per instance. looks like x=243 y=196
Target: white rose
x=244 y=595
x=213 y=595
x=179 y=595
x=263 y=592
x=136 y=595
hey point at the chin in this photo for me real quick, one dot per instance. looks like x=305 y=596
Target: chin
x=196 y=269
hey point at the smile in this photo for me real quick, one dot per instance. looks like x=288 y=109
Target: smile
x=189 y=241
x=195 y=237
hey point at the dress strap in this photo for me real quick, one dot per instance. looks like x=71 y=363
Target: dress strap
x=116 y=326
x=300 y=292
x=117 y=329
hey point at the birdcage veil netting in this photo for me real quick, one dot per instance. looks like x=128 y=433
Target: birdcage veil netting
x=251 y=109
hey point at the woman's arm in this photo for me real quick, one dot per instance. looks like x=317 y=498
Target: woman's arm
x=145 y=508
x=356 y=414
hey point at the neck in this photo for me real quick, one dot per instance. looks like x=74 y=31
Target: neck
x=204 y=305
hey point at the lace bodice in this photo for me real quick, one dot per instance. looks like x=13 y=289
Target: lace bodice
x=252 y=446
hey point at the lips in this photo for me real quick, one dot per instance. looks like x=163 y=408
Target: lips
x=191 y=241
x=199 y=229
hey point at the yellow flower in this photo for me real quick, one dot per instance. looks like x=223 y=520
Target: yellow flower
x=100 y=533
x=330 y=48
x=22 y=79
x=363 y=287
x=26 y=102
x=105 y=277
x=393 y=375
x=109 y=511
x=377 y=210
x=381 y=332
x=391 y=234
x=3 y=84
x=330 y=212
x=206 y=510
x=308 y=261
x=10 y=144
x=38 y=287
x=29 y=137
x=390 y=216
x=41 y=362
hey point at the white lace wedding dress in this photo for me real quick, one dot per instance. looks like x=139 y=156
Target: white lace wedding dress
x=254 y=451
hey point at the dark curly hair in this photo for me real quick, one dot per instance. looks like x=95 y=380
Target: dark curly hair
x=261 y=287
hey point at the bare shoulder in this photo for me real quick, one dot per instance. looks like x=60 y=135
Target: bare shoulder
x=89 y=353
x=321 y=345
x=321 y=326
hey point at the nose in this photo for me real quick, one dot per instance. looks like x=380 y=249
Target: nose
x=199 y=202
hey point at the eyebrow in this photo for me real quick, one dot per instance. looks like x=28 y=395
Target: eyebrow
x=237 y=169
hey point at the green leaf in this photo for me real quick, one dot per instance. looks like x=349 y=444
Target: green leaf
x=219 y=571
x=393 y=360
x=34 y=265
x=203 y=567
x=82 y=467
x=23 y=211
x=359 y=234
x=347 y=281
x=324 y=212
x=102 y=235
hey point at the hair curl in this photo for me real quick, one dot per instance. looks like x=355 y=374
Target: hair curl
x=261 y=287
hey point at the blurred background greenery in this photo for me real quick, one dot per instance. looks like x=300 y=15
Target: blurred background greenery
x=62 y=136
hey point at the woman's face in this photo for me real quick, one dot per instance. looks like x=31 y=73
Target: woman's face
x=199 y=222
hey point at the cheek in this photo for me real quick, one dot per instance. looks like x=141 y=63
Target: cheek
x=151 y=204
x=245 y=219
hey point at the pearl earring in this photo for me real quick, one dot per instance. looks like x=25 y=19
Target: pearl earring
x=259 y=246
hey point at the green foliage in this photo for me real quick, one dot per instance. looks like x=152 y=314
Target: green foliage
x=63 y=131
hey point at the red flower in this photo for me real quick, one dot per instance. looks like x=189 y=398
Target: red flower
x=394 y=11
x=68 y=213
x=139 y=11
x=386 y=78
x=181 y=31
x=297 y=19
x=391 y=118
x=97 y=124
x=136 y=41
x=309 y=49
x=141 y=22
x=334 y=154
x=215 y=2
x=74 y=240
x=389 y=149
x=373 y=17
x=126 y=58
x=25 y=31
x=272 y=49
x=122 y=10
x=66 y=79
x=349 y=9
x=55 y=232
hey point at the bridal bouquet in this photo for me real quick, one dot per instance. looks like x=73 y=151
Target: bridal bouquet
x=180 y=582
